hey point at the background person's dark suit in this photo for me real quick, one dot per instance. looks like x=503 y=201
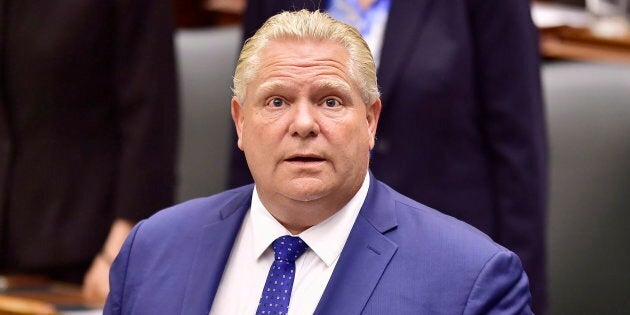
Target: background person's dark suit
x=462 y=128
x=88 y=122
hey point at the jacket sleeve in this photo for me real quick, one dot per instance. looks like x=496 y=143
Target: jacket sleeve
x=501 y=288
x=146 y=110
x=508 y=67
x=118 y=275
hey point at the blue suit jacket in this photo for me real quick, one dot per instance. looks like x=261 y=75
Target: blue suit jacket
x=401 y=257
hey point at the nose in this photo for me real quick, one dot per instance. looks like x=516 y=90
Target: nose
x=304 y=120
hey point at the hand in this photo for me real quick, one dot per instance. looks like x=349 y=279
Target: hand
x=96 y=280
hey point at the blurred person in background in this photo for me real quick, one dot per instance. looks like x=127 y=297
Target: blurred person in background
x=88 y=121
x=460 y=80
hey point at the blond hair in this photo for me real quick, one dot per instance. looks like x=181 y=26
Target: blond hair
x=306 y=25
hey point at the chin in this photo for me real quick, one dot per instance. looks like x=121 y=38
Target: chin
x=305 y=195
x=305 y=190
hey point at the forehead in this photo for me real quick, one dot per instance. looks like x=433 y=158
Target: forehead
x=303 y=58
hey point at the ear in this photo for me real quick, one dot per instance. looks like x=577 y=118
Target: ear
x=237 y=117
x=373 y=113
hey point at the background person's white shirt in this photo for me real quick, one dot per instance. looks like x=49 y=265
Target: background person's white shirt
x=251 y=257
x=370 y=22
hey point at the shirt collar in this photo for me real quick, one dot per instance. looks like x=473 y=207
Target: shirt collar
x=325 y=239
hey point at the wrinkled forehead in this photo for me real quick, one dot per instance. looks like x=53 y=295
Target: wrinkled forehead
x=304 y=51
x=292 y=57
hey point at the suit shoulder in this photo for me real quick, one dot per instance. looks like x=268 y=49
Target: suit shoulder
x=205 y=210
x=424 y=224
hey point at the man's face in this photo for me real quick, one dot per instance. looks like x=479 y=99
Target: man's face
x=304 y=128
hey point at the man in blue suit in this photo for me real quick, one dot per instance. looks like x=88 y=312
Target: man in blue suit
x=306 y=108
x=462 y=111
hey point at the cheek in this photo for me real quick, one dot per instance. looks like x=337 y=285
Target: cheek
x=260 y=139
x=351 y=139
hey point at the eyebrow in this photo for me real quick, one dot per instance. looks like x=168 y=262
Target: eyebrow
x=272 y=85
x=334 y=84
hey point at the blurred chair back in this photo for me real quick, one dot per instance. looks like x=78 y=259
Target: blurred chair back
x=588 y=114
x=206 y=60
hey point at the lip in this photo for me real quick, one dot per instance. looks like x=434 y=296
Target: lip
x=305 y=159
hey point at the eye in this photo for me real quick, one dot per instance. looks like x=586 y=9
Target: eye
x=276 y=102
x=331 y=102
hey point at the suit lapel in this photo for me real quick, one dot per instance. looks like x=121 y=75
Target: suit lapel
x=364 y=257
x=406 y=18
x=212 y=254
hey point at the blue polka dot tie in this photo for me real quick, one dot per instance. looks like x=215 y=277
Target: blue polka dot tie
x=277 y=291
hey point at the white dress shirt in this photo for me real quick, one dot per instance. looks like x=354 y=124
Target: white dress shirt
x=251 y=257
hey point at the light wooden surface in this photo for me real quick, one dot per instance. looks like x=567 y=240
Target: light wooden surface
x=570 y=43
x=20 y=306
x=31 y=295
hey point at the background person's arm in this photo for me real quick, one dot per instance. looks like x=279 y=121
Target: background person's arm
x=147 y=116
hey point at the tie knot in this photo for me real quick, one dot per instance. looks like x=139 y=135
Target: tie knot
x=288 y=248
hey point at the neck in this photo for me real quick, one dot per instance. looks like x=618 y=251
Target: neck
x=297 y=216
